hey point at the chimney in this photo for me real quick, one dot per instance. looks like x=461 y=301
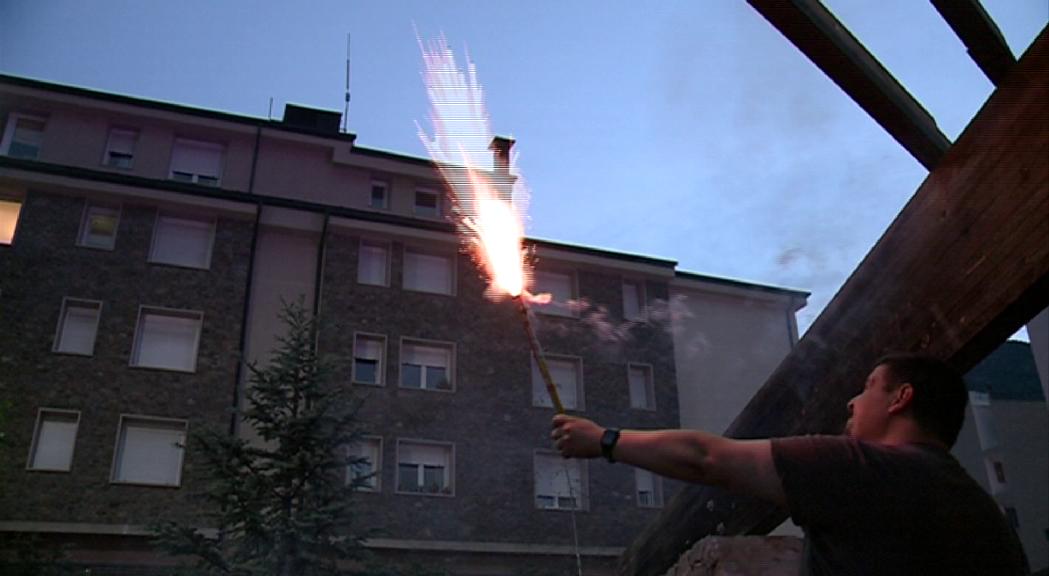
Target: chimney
x=500 y=148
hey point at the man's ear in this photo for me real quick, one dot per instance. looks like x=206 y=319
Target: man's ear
x=902 y=398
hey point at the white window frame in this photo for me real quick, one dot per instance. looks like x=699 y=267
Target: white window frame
x=376 y=466
x=657 y=489
x=34 y=444
x=9 y=131
x=133 y=133
x=453 y=264
x=388 y=247
x=195 y=178
x=162 y=422
x=164 y=311
x=582 y=499
x=20 y=203
x=557 y=307
x=438 y=201
x=385 y=184
x=650 y=386
x=642 y=300
x=96 y=304
x=85 y=219
x=450 y=369
x=380 y=370
x=539 y=386
x=213 y=221
x=449 y=472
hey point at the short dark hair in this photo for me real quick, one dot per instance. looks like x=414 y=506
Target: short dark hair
x=940 y=394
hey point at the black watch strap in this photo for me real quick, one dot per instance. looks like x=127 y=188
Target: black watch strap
x=608 y=443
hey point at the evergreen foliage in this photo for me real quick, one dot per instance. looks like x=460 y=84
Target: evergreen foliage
x=281 y=505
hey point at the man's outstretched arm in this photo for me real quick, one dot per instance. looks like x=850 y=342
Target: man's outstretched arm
x=743 y=466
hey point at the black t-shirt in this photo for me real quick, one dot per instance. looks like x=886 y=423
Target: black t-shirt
x=873 y=509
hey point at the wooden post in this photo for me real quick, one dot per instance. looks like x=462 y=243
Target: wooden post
x=963 y=266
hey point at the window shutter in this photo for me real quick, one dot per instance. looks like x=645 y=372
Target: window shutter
x=640 y=387
x=151 y=454
x=426 y=355
x=631 y=300
x=565 y=375
x=122 y=141
x=201 y=158
x=372 y=266
x=427 y=272
x=167 y=341
x=79 y=325
x=368 y=348
x=182 y=242
x=54 y=442
x=426 y=455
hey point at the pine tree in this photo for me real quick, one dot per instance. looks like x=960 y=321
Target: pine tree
x=281 y=506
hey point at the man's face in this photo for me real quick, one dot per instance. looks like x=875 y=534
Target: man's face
x=869 y=410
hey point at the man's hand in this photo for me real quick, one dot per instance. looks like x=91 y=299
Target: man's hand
x=576 y=437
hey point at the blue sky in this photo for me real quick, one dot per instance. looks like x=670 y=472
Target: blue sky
x=686 y=130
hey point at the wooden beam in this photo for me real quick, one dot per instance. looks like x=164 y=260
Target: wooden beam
x=964 y=264
x=981 y=36
x=821 y=37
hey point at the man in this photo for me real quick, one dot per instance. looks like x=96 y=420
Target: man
x=886 y=498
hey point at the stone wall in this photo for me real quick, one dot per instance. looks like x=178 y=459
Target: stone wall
x=741 y=556
x=489 y=417
x=36 y=272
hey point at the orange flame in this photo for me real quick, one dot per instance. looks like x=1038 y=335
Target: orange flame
x=489 y=215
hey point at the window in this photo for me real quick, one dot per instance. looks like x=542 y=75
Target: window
x=380 y=195
x=1013 y=517
x=427 y=204
x=9 y=211
x=560 y=484
x=149 y=451
x=98 y=228
x=368 y=364
x=196 y=162
x=77 y=326
x=428 y=271
x=182 y=241
x=568 y=377
x=561 y=288
x=366 y=465
x=427 y=366
x=53 y=440
x=120 y=148
x=642 y=392
x=167 y=339
x=424 y=467
x=633 y=300
x=999 y=471
x=649 y=489
x=23 y=136
x=373 y=263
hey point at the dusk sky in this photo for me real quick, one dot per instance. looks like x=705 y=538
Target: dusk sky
x=685 y=130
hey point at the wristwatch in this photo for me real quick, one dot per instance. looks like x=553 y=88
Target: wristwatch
x=608 y=443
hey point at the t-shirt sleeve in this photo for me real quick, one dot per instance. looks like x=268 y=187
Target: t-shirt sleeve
x=826 y=479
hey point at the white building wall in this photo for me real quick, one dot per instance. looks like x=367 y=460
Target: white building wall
x=727 y=342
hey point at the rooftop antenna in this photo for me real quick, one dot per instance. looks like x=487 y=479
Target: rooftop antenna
x=269 y=114
x=346 y=107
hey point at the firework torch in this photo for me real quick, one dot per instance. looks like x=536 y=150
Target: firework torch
x=537 y=353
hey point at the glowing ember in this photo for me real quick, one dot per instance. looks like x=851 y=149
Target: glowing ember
x=489 y=206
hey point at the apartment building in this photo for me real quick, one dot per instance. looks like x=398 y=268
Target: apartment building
x=1004 y=442
x=145 y=248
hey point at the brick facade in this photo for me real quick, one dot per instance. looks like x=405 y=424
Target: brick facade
x=43 y=266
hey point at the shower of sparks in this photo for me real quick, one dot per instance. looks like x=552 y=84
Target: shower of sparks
x=489 y=202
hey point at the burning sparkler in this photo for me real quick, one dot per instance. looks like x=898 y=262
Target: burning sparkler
x=489 y=214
